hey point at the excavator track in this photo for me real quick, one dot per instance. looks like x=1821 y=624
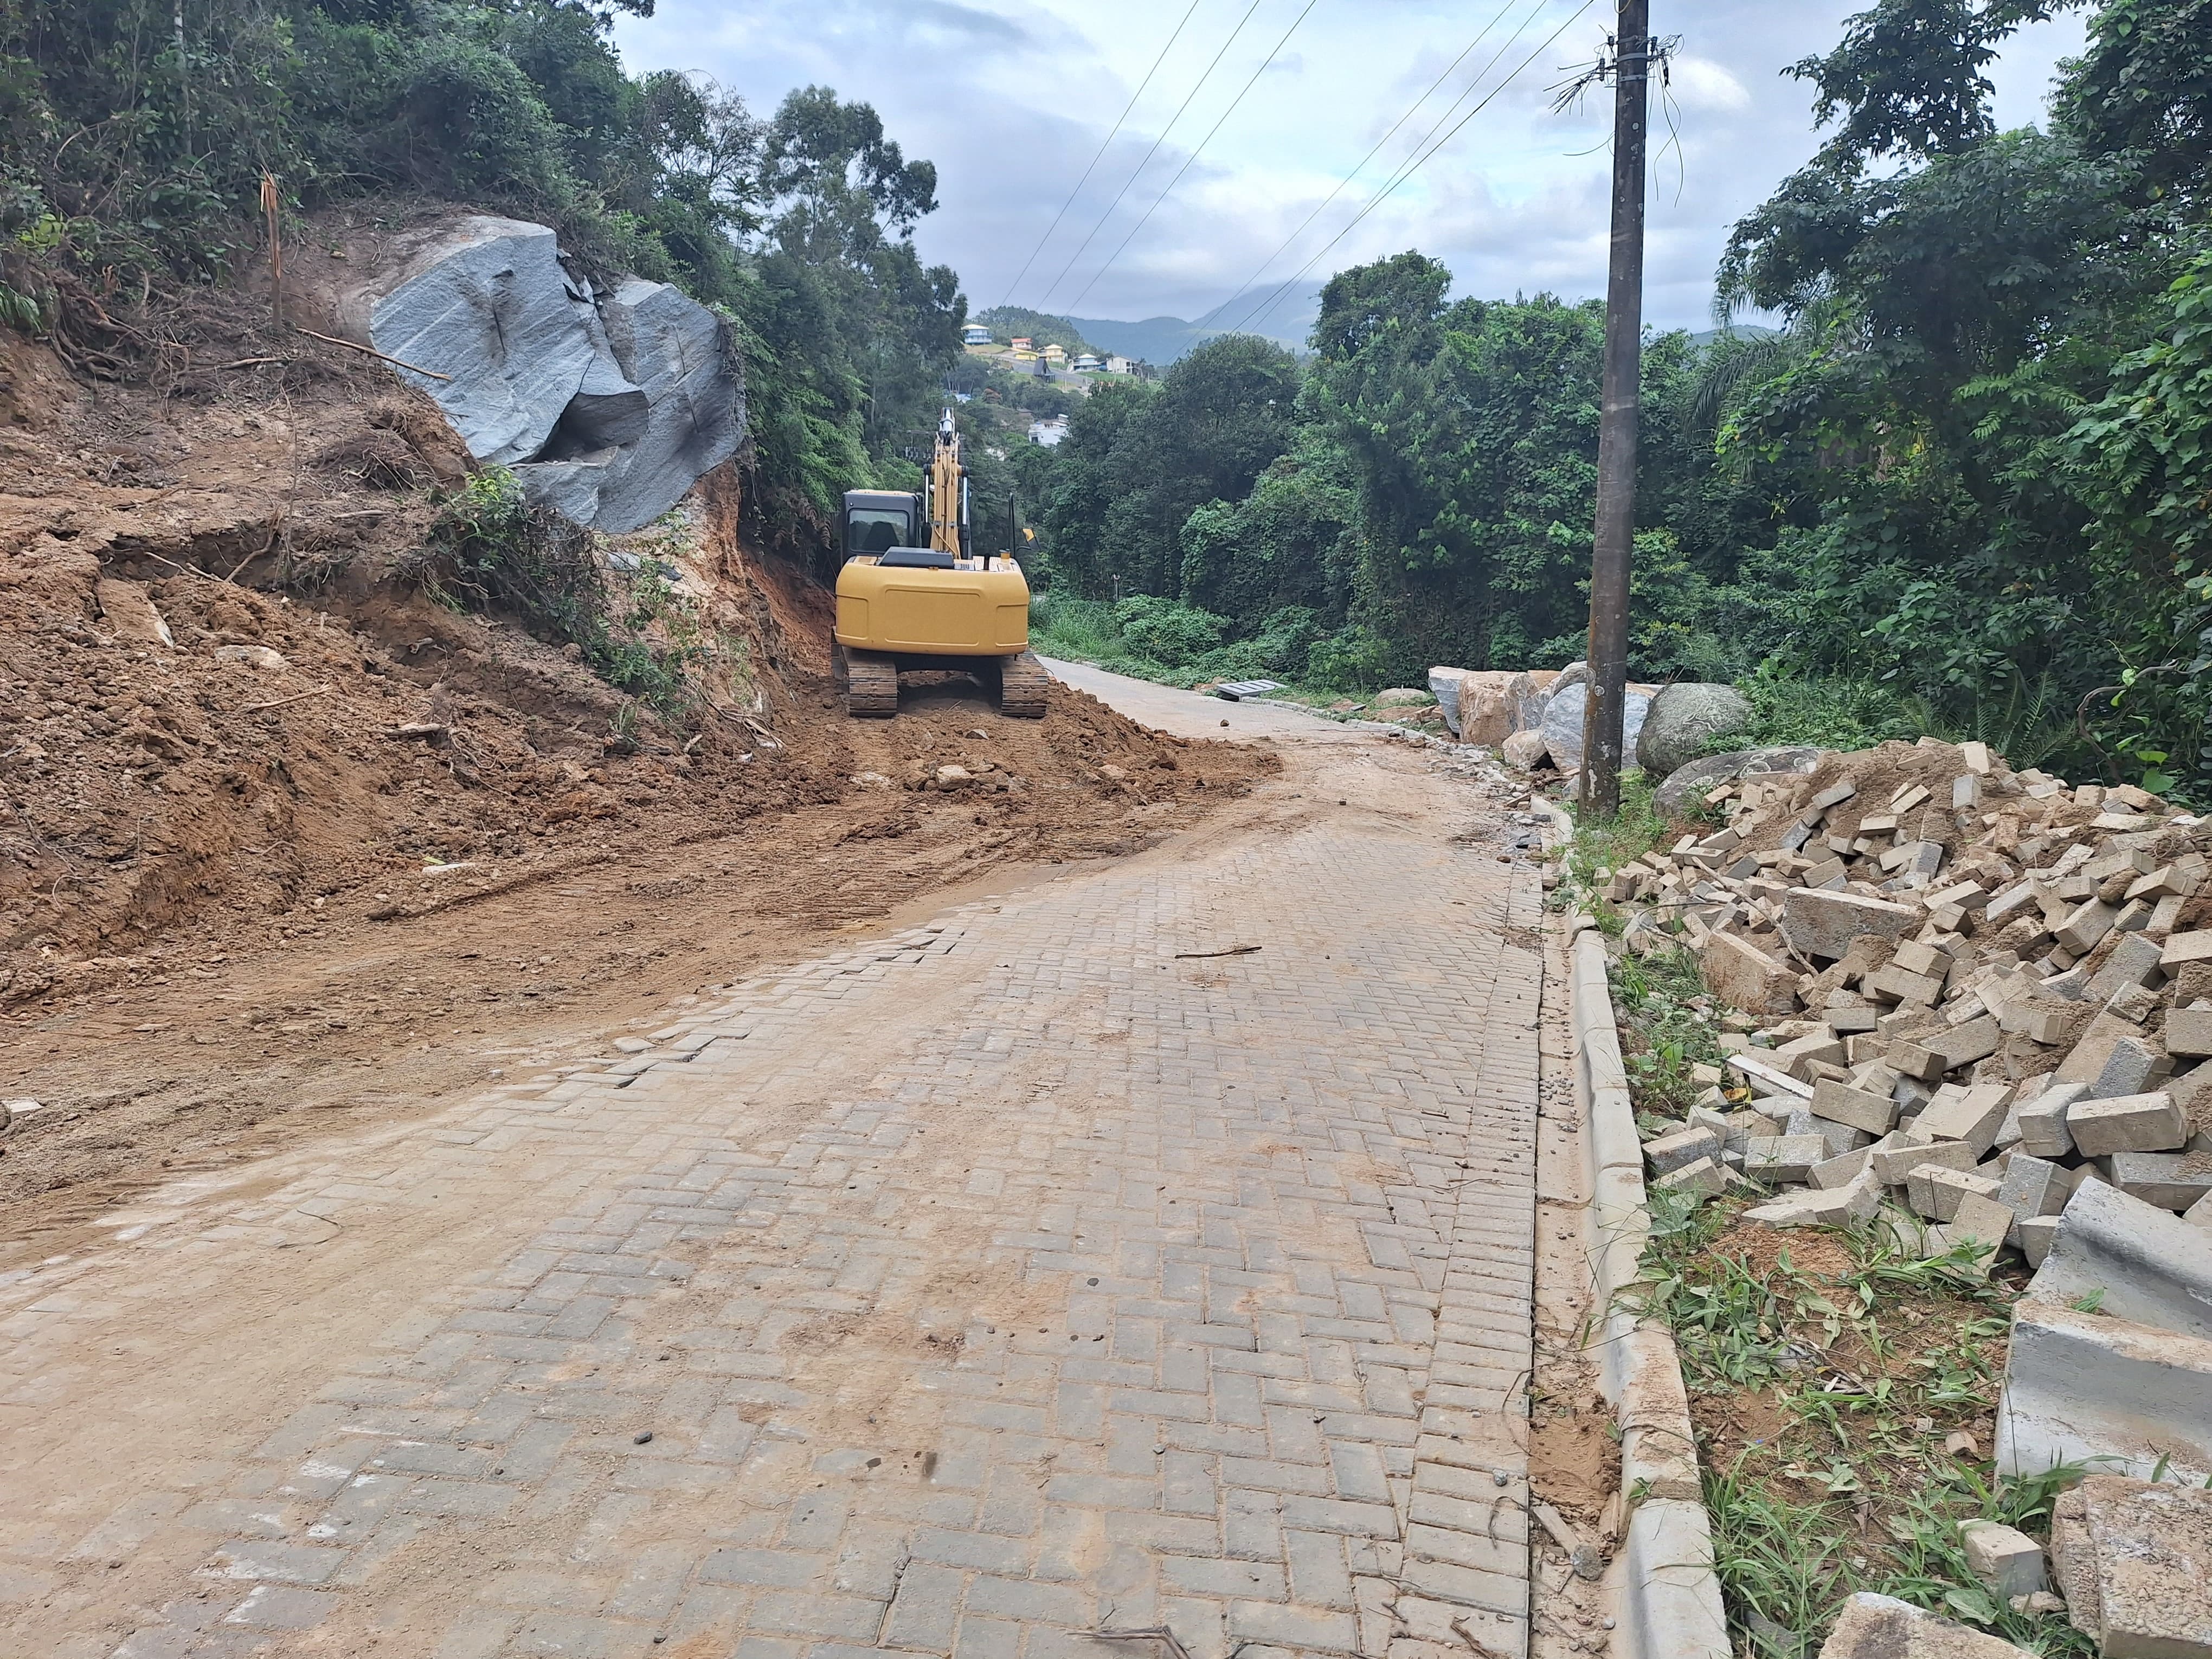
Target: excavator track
x=871 y=684
x=1022 y=681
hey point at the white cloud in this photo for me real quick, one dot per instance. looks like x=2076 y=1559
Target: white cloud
x=1011 y=98
x=1702 y=85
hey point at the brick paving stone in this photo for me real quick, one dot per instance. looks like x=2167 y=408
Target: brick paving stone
x=1093 y=1286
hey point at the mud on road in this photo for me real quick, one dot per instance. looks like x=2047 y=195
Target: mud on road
x=292 y=839
x=229 y=1039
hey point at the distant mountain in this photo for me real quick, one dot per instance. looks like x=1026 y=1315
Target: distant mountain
x=1162 y=340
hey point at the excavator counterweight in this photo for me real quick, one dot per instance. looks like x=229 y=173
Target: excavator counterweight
x=913 y=594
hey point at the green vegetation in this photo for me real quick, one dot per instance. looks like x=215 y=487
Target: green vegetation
x=488 y=546
x=1964 y=491
x=1861 y=1369
x=134 y=135
x=1178 y=644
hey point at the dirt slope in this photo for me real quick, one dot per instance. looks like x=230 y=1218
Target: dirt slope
x=232 y=886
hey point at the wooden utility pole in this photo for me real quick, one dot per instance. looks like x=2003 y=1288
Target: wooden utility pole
x=1603 y=713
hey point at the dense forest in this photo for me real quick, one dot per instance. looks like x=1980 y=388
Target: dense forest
x=134 y=135
x=1965 y=491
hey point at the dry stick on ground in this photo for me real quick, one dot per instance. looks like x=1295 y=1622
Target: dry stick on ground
x=1200 y=956
x=252 y=362
x=264 y=707
x=190 y=569
x=350 y=345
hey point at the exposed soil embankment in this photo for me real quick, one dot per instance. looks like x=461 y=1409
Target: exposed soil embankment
x=280 y=831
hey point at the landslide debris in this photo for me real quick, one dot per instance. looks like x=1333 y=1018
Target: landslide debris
x=253 y=737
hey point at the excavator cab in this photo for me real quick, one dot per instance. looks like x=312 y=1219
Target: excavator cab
x=913 y=594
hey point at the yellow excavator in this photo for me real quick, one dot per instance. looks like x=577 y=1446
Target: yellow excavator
x=905 y=602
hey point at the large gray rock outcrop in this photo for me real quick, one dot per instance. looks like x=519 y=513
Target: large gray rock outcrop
x=1688 y=718
x=608 y=409
x=1563 y=722
x=489 y=306
x=691 y=421
x=1673 y=797
x=1443 y=686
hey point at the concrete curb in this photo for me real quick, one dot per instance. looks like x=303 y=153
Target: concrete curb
x=1670 y=1603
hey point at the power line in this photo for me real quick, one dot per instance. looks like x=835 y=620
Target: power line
x=1195 y=152
x=1422 y=150
x=1153 y=151
x=1408 y=171
x=1345 y=183
x=1103 y=149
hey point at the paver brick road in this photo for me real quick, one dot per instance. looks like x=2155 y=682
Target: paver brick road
x=1010 y=1278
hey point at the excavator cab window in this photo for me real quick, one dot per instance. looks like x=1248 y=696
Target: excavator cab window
x=874 y=529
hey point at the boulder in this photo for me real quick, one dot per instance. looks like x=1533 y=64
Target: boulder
x=1683 y=787
x=1524 y=749
x=1401 y=696
x=1444 y=687
x=618 y=476
x=1686 y=719
x=1494 y=704
x=488 y=304
x=608 y=408
x=1562 y=723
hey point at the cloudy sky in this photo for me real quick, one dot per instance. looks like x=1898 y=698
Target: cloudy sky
x=1012 y=99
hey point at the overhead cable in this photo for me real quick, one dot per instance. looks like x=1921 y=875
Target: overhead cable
x=1345 y=183
x=1153 y=151
x=1188 y=161
x=1265 y=64
x=1101 y=156
x=1413 y=167
x=1422 y=149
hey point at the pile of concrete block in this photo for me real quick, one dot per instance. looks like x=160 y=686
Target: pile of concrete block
x=1966 y=990
x=2133 y=1564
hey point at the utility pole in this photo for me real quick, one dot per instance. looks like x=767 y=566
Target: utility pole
x=1607 y=697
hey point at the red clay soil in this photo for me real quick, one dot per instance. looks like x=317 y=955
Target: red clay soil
x=234 y=888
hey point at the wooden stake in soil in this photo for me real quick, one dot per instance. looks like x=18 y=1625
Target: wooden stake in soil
x=276 y=248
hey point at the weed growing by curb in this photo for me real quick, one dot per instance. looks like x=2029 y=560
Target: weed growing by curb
x=1842 y=1383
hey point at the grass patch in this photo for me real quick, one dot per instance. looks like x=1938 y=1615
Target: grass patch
x=1666 y=1029
x=1598 y=847
x=1827 y=1371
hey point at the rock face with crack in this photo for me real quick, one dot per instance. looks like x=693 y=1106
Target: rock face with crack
x=608 y=408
